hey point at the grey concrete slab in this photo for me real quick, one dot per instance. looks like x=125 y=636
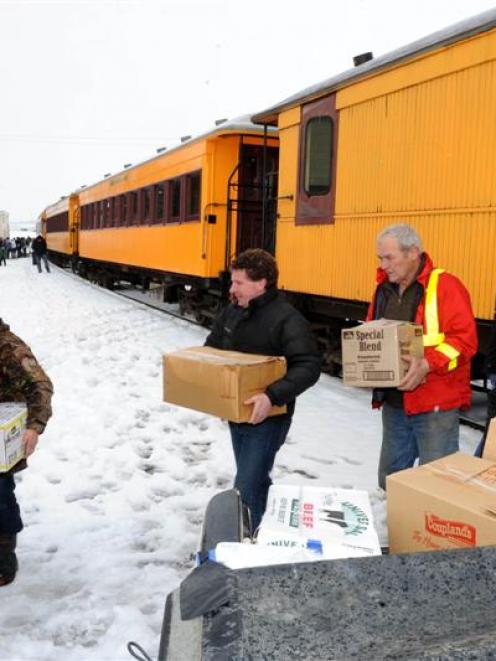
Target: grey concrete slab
x=438 y=605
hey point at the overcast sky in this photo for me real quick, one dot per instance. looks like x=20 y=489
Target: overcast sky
x=88 y=85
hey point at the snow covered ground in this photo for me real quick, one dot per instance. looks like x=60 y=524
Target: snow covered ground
x=115 y=494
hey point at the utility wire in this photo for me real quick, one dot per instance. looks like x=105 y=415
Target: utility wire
x=88 y=140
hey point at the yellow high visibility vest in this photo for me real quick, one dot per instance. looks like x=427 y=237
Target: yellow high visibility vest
x=432 y=336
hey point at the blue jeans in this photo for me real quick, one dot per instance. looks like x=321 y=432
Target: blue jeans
x=39 y=258
x=10 y=516
x=423 y=436
x=255 y=448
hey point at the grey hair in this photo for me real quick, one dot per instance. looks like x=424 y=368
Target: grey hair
x=405 y=234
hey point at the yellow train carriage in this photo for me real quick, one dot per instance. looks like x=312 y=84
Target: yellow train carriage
x=409 y=136
x=183 y=212
x=59 y=225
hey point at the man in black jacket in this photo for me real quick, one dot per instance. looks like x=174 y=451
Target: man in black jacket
x=39 y=247
x=259 y=320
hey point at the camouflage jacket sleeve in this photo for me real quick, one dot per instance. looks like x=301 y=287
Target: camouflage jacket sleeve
x=22 y=379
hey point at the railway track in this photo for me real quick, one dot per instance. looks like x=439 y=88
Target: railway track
x=145 y=298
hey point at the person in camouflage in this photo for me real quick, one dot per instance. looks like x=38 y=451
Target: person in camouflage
x=21 y=380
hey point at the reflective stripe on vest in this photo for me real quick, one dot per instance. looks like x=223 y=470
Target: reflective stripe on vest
x=432 y=337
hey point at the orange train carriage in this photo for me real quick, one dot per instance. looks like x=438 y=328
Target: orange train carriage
x=59 y=225
x=175 y=219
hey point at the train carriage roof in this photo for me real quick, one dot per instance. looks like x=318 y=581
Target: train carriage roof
x=461 y=30
x=238 y=125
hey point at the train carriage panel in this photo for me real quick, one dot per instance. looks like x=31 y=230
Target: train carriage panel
x=59 y=223
x=416 y=144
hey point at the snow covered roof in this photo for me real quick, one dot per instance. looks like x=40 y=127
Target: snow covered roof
x=461 y=30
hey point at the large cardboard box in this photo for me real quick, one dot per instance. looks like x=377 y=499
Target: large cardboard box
x=12 y=423
x=489 y=451
x=219 y=382
x=373 y=352
x=447 y=504
x=341 y=519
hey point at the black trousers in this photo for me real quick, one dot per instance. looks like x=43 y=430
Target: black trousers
x=10 y=515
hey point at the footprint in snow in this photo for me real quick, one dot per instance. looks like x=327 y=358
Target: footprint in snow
x=53 y=479
x=144 y=451
x=352 y=462
x=223 y=482
x=319 y=460
x=284 y=470
x=81 y=494
x=142 y=414
x=141 y=506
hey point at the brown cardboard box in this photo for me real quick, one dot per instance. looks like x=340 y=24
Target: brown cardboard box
x=218 y=382
x=447 y=504
x=490 y=444
x=372 y=352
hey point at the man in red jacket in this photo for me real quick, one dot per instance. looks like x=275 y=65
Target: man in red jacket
x=420 y=417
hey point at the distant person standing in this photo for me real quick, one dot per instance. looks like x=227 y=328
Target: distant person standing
x=3 y=252
x=40 y=252
x=11 y=248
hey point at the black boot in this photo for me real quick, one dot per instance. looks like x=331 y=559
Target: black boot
x=8 y=559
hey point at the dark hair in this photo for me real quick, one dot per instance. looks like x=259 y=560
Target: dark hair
x=258 y=264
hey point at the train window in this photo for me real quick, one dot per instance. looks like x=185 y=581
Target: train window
x=159 y=191
x=318 y=156
x=116 y=202
x=316 y=193
x=123 y=211
x=108 y=213
x=175 y=200
x=58 y=223
x=101 y=219
x=193 y=191
x=95 y=214
x=134 y=208
x=147 y=204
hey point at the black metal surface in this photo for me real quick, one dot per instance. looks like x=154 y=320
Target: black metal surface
x=476 y=416
x=167 y=623
x=205 y=589
x=223 y=520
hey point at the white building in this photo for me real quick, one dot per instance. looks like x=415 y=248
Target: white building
x=4 y=224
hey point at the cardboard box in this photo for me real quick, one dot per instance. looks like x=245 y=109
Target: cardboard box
x=12 y=423
x=219 y=382
x=489 y=451
x=341 y=519
x=446 y=504
x=373 y=352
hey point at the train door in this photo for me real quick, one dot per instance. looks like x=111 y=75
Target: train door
x=256 y=204
x=74 y=227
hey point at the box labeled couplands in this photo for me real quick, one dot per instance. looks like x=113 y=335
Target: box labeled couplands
x=449 y=503
x=373 y=352
x=13 y=417
x=219 y=382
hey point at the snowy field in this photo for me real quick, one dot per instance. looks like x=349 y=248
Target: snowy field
x=114 y=496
